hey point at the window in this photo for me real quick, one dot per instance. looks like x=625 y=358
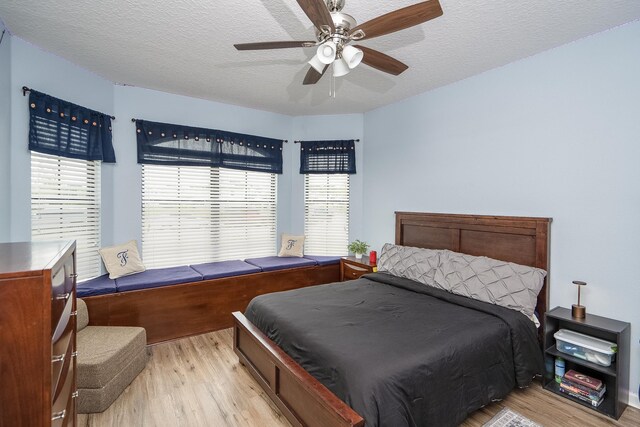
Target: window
x=326 y=214
x=65 y=205
x=199 y=214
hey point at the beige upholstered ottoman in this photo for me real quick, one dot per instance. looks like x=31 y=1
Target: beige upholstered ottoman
x=109 y=358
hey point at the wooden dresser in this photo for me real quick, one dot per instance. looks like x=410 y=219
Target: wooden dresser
x=37 y=334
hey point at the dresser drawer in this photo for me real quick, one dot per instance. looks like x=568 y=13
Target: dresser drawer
x=58 y=300
x=62 y=347
x=65 y=317
x=352 y=272
x=60 y=367
x=62 y=284
x=70 y=418
x=62 y=410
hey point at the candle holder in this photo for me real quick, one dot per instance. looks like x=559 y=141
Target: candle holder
x=579 y=311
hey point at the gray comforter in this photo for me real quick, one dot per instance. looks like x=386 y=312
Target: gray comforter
x=401 y=353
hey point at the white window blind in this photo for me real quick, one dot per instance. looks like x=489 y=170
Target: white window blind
x=326 y=214
x=194 y=214
x=65 y=205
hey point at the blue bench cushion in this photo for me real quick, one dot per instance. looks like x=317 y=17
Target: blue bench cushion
x=215 y=270
x=98 y=286
x=157 y=277
x=324 y=260
x=271 y=263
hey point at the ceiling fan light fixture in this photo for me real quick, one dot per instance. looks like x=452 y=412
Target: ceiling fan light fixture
x=340 y=68
x=326 y=52
x=335 y=30
x=352 y=55
x=317 y=64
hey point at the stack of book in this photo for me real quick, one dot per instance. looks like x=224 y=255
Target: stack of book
x=583 y=387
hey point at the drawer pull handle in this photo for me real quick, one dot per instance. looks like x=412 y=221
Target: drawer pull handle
x=58 y=415
x=74 y=354
x=74 y=313
x=64 y=296
x=73 y=276
x=56 y=359
x=74 y=395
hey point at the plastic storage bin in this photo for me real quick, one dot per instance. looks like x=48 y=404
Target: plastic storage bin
x=585 y=347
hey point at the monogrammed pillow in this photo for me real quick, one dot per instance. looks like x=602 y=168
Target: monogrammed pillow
x=122 y=260
x=291 y=246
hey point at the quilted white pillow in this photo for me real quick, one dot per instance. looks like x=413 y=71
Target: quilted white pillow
x=122 y=260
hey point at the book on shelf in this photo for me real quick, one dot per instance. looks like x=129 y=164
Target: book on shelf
x=581 y=390
x=584 y=380
x=594 y=403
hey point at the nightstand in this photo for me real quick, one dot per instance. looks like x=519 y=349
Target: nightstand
x=352 y=268
x=616 y=376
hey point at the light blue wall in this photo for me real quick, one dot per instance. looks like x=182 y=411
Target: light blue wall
x=311 y=128
x=557 y=135
x=152 y=105
x=121 y=198
x=5 y=135
x=554 y=135
x=32 y=67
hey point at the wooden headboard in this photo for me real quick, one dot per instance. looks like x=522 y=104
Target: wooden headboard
x=521 y=240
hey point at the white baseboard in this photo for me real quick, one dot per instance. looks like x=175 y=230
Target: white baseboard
x=633 y=400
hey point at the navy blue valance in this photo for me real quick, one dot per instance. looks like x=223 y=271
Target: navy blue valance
x=64 y=129
x=168 y=144
x=328 y=157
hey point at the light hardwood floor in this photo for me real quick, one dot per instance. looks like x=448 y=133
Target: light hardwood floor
x=198 y=381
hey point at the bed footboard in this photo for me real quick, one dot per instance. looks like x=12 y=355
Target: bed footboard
x=303 y=400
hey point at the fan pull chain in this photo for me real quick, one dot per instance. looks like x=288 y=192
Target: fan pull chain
x=332 y=86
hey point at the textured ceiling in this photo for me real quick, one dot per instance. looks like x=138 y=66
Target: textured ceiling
x=186 y=47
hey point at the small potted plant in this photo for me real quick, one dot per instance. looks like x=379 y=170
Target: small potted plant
x=358 y=248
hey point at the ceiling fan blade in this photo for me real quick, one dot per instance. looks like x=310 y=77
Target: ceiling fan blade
x=313 y=76
x=318 y=13
x=400 y=19
x=274 y=45
x=382 y=62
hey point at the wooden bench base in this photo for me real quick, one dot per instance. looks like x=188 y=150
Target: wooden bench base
x=178 y=311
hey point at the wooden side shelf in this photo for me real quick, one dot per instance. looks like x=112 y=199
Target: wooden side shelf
x=616 y=376
x=352 y=268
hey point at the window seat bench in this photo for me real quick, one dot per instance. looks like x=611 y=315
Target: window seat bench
x=176 y=302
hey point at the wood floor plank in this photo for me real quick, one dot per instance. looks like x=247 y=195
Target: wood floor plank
x=197 y=381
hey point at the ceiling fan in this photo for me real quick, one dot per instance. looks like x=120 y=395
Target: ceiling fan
x=335 y=31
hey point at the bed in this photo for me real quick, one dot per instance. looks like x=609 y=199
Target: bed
x=426 y=357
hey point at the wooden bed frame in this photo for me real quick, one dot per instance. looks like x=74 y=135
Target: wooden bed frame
x=177 y=311
x=303 y=400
